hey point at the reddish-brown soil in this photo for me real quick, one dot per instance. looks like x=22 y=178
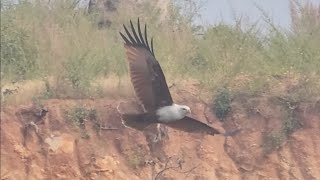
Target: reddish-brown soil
x=59 y=150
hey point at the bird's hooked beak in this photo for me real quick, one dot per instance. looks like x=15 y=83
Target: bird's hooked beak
x=189 y=111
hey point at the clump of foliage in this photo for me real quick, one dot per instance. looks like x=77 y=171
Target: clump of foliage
x=291 y=121
x=273 y=141
x=18 y=49
x=80 y=72
x=78 y=115
x=291 y=124
x=137 y=158
x=222 y=104
x=48 y=93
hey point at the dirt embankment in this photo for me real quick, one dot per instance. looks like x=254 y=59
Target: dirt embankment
x=276 y=142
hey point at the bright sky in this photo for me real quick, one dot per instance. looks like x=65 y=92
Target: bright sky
x=217 y=10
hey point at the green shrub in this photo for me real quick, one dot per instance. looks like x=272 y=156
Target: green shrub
x=18 y=50
x=272 y=142
x=222 y=104
x=291 y=121
x=78 y=115
x=291 y=124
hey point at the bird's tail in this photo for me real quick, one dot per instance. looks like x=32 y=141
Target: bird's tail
x=137 y=121
x=232 y=133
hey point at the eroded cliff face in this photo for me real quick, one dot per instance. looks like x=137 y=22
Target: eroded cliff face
x=51 y=146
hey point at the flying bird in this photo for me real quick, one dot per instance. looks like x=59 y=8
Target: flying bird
x=151 y=88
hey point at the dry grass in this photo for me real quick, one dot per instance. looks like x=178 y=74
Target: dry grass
x=25 y=92
x=305 y=17
x=84 y=61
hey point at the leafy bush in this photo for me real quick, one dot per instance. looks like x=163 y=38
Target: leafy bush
x=291 y=121
x=222 y=104
x=79 y=72
x=291 y=124
x=272 y=142
x=78 y=115
x=18 y=50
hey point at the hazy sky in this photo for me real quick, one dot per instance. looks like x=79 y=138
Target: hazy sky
x=216 y=10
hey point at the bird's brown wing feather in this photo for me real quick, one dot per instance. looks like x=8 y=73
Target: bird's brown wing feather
x=145 y=71
x=140 y=75
x=190 y=125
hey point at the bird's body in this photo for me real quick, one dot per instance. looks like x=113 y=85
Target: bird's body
x=152 y=91
x=174 y=112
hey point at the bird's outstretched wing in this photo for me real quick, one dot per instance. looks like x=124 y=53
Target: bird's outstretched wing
x=190 y=125
x=145 y=71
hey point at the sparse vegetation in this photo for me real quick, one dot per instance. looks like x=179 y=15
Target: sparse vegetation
x=18 y=49
x=137 y=158
x=273 y=141
x=291 y=124
x=222 y=104
x=47 y=93
x=291 y=121
x=171 y=164
x=78 y=115
x=63 y=42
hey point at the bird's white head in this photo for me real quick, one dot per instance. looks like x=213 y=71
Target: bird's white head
x=184 y=110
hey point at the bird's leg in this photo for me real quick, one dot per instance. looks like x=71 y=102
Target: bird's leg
x=158 y=136
x=159 y=132
x=35 y=126
x=162 y=132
